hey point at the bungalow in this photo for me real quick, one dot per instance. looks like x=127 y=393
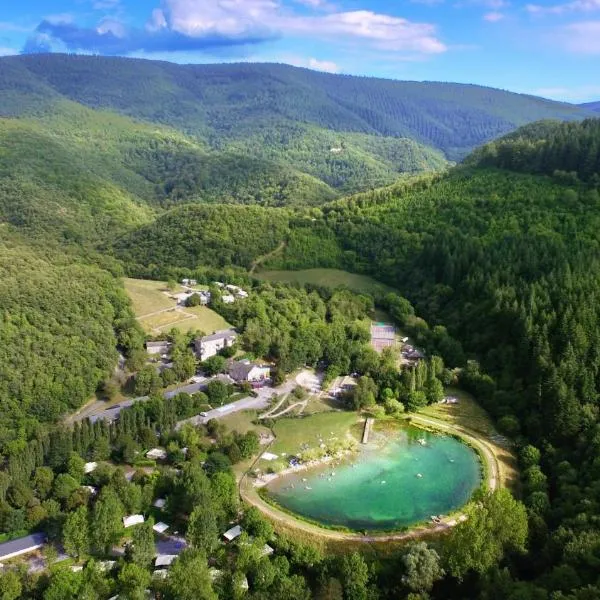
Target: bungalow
x=233 y=533
x=162 y=347
x=156 y=454
x=228 y=299
x=210 y=345
x=160 y=527
x=247 y=371
x=23 y=545
x=160 y=503
x=133 y=520
x=89 y=467
x=164 y=560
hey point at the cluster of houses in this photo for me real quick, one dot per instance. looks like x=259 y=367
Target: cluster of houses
x=230 y=293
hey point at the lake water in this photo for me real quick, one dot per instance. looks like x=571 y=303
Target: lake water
x=396 y=480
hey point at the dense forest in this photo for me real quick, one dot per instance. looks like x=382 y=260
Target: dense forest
x=500 y=255
x=508 y=262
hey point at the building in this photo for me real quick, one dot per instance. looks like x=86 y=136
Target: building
x=23 y=545
x=228 y=299
x=164 y=560
x=246 y=371
x=157 y=454
x=133 y=520
x=162 y=347
x=89 y=467
x=233 y=533
x=160 y=527
x=210 y=345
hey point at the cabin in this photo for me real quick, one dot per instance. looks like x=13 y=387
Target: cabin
x=160 y=527
x=90 y=467
x=164 y=560
x=245 y=371
x=211 y=345
x=20 y=546
x=233 y=533
x=132 y=520
x=156 y=454
x=161 y=347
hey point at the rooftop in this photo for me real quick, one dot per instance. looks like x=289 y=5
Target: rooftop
x=22 y=545
x=219 y=335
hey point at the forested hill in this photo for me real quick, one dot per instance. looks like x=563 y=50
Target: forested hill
x=595 y=106
x=253 y=105
x=570 y=150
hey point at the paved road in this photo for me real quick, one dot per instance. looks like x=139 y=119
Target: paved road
x=98 y=410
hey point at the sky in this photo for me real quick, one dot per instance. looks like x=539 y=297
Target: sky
x=549 y=48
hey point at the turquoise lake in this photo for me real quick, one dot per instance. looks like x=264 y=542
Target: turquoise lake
x=395 y=480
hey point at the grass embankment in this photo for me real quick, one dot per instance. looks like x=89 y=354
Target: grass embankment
x=330 y=278
x=158 y=313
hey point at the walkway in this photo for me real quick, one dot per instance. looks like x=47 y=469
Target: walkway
x=367 y=430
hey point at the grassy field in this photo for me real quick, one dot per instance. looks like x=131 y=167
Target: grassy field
x=157 y=312
x=147 y=296
x=293 y=433
x=329 y=278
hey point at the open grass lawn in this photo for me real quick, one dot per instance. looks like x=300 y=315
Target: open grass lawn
x=147 y=296
x=467 y=413
x=242 y=422
x=294 y=432
x=329 y=278
x=206 y=320
x=157 y=312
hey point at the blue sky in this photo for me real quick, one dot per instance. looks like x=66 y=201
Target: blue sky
x=545 y=47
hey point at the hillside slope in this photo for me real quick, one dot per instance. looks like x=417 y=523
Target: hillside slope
x=227 y=102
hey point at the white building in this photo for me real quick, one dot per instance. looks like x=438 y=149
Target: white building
x=156 y=454
x=210 y=345
x=132 y=520
x=246 y=371
x=233 y=533
x=162 y=347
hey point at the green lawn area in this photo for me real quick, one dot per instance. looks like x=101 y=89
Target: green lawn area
x=148 y=297
x=329 y=278
x=293 y=433
x=242 y=422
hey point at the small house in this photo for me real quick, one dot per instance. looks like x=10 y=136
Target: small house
x=193 y=282
x=246 y=371
x=185 y=282
x=164 y=560
x=90 y=467
x=161 y=347
x=23 y=545
x=132 y=520
x=160 y=503
x=210 y=345
x=266 y=551
x=160 y=527
x=156 y=454
x=228 y=299
x=233 y=533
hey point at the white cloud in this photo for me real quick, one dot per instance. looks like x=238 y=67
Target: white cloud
x=60 y=19
x=581 y=38
x=323 y=65
x=559 y=9
x=105 y=4
x=493 y=17
x=575 y=94
x=259 y=17
x=8 y=51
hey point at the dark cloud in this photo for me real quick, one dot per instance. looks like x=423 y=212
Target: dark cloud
x=70 y=37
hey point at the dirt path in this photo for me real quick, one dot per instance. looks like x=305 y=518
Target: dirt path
x=261 y=259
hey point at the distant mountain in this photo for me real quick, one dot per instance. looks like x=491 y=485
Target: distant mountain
x=594 y=106
x=270 y=109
